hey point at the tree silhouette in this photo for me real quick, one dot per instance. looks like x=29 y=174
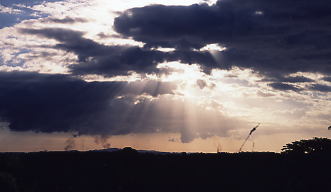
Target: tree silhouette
x=315 y=145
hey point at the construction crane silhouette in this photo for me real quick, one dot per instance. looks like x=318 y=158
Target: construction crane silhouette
x=250 y=133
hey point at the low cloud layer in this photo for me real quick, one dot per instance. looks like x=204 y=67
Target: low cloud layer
x=60 y=103
x=52 y=103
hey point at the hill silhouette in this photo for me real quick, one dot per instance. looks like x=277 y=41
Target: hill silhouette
x=131 y=170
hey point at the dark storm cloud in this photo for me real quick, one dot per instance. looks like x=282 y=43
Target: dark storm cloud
x=52 y=103
x=296 y=79
x=284 y=87
x=71 y=41
x=273 y=37
x=60 y=103
x=327 y=79
x=95 y=58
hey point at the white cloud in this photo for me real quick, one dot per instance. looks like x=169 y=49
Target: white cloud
x=9 y=10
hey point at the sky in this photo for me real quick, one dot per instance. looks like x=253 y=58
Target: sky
x=174 y=75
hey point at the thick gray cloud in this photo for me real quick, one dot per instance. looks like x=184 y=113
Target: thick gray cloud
x=273 y=37
x=51 y=103
x=294 y=79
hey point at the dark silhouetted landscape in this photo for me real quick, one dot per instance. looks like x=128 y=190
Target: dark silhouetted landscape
x=131 y=170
